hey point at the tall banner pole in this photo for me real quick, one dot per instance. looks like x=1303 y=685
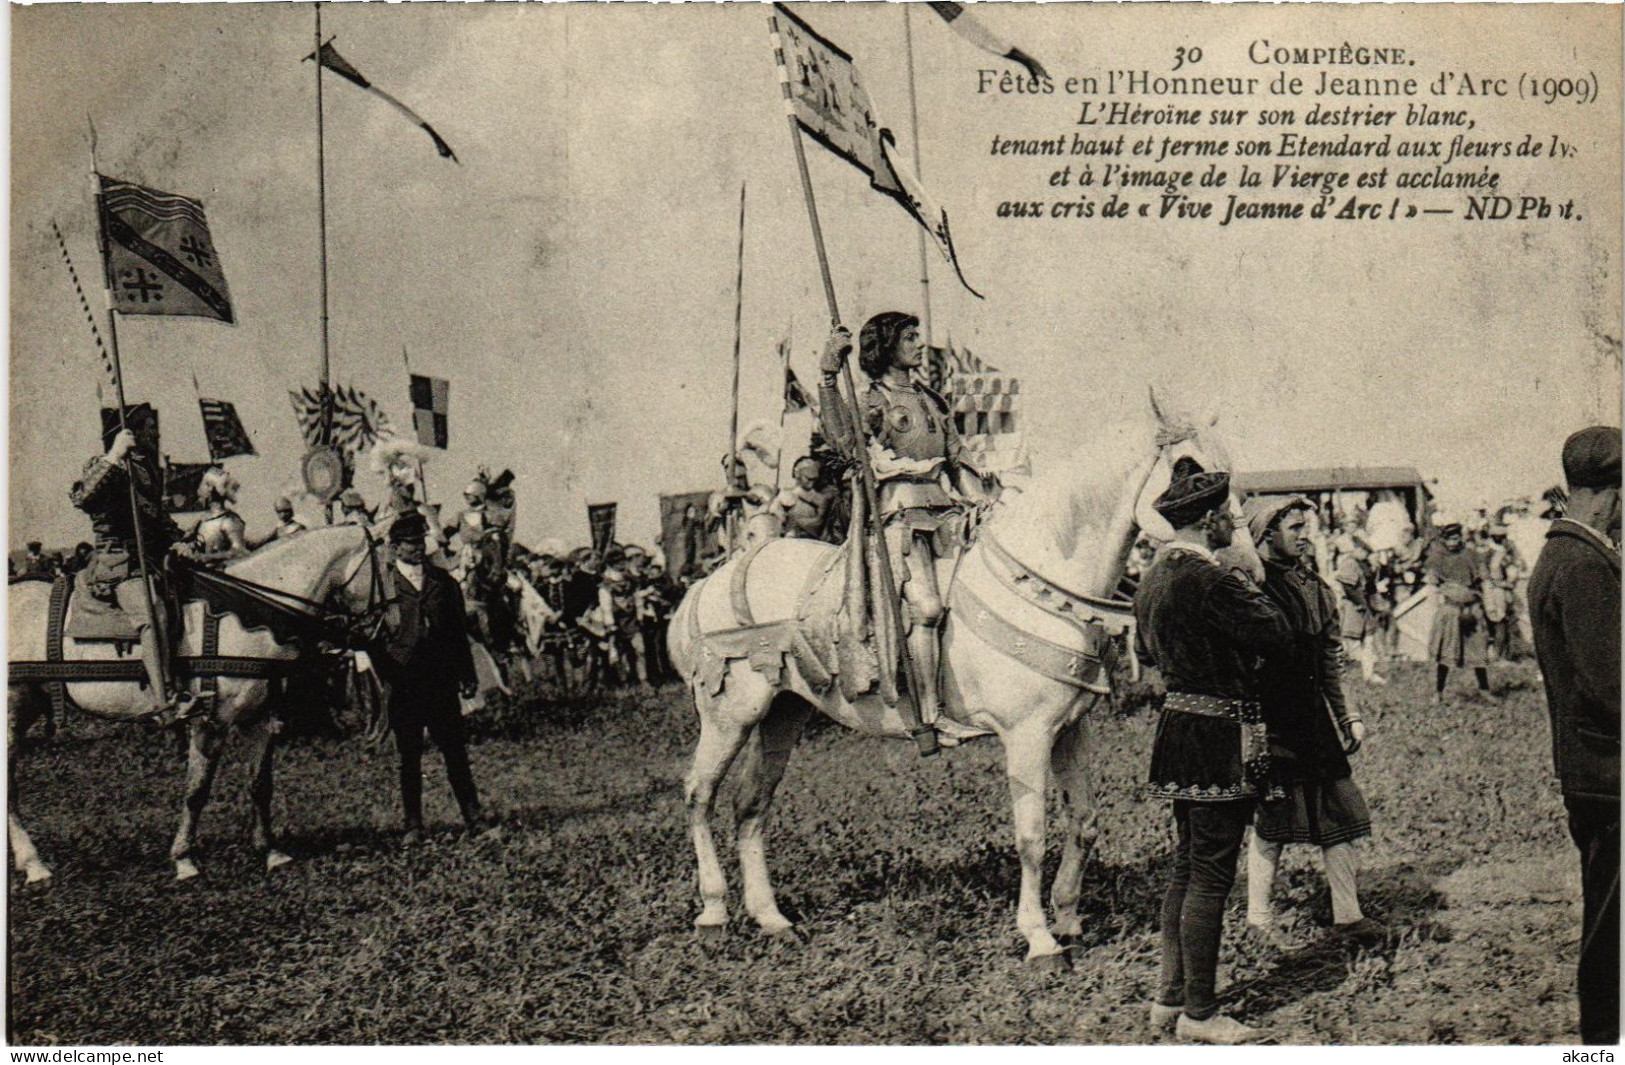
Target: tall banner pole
x=155 y=619
x=914 y=131
x=925 y=737
x=733 y=421
x=321 y=223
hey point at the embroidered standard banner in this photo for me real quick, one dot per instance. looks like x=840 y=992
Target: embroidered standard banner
x=823 y=93
x=160 y=258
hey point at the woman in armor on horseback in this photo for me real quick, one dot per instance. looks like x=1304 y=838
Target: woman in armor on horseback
x=915 y=452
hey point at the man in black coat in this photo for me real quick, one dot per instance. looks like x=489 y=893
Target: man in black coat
x=1574 y=606
x=427 y=664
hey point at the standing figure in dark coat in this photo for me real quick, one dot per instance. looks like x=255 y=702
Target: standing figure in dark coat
x=1460 y=634
x=1574 y=604
x=1311 y=729
x=1204 y=627
x=427 y=664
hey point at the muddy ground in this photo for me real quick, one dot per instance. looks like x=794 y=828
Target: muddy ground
x=575 y=927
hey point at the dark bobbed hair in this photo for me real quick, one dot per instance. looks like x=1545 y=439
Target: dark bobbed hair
x=877 y=342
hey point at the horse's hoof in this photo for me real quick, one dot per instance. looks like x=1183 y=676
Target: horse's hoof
x=275 y=860
x=711 y=933
x=1059 y=962
x=36 y=873
x=788 y=933
x=185 y=869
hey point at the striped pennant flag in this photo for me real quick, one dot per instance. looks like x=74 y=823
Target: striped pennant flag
x=224 y=430
x=961 y=22
x=331 y=59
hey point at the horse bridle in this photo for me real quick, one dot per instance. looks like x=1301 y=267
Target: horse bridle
x=368 y=624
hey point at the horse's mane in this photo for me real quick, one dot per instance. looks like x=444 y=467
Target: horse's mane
x=1080 y=492
x=275 y=552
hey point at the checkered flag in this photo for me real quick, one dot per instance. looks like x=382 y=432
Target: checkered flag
x=431 y=397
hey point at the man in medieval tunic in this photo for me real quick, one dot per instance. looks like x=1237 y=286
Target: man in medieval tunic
x=914 y=450
x=1204 y=625
x=114 y=574
x=220 y=536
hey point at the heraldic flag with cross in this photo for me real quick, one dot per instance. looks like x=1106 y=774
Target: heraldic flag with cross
x=160 y=258
x=224 y=430
x=431 y=402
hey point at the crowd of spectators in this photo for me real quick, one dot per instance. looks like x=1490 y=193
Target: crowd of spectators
x=599 y=619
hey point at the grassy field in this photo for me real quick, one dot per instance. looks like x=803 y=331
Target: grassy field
x=575 y=927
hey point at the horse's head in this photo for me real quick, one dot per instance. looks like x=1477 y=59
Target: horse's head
x=1193 y=444
x=337 y=566
x=352 y=582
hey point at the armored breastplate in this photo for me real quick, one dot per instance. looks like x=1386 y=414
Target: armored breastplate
x=214 y=533
x=911 y=424
x=806 y=514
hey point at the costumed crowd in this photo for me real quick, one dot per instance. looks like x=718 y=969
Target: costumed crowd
x=1258 y=616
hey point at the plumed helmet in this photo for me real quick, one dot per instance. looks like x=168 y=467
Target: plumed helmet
x=216 y=483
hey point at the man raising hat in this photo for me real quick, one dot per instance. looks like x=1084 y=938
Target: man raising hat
x=427 y=663
x=1574 y=605
x=1204 y=626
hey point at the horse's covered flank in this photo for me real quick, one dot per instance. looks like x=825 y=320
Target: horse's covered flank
x=337 y=562
x=1022 y=653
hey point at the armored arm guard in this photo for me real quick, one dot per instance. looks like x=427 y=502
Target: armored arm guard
x=836 y=419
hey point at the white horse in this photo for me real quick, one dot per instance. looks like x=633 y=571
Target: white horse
x=1014 y=666
x=337 y=564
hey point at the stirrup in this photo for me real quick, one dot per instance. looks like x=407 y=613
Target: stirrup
x=925 y=741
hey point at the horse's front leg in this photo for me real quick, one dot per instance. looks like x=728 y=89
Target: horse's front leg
x=1080 y=825
x=261 y=755
x=23 y=853
x=724 y=724
x=22 y=848
x=1027 y=755
x=205 y=739
x=766 y=756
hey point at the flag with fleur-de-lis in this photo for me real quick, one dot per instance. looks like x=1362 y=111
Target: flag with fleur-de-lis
x=159 y=256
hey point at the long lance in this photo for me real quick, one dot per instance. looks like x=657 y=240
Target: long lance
x=321 y=217
x=155 y=619
x=733 y=421
x=925 y=737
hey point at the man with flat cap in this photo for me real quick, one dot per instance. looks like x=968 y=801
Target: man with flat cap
x=1574 y=605
x=427 y=662
x=1205 y=627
